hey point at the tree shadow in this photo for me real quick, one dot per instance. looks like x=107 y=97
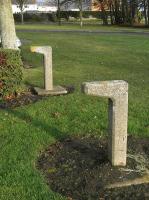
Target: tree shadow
x=54 y=132
x=30 y=85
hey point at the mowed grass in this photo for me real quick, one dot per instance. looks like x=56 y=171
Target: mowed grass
x=26 y=131
x=76 y=26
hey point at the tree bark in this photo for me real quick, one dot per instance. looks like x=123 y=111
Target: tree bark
x=7 y=26
x=22 y=17
x=145 y=13
x=111 y=12
x=59 y=13
x=134 y=14
x=104 y=14
x=117 y=12
x=148 y=11
x=124 y=14
x=81 y=13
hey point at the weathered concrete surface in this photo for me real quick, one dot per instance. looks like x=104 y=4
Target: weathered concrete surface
x=48 y=76
x=126 y=183
x=57 y=90
x=117 y=92
x=49 y=89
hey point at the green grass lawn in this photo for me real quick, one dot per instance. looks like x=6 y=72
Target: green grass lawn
x=73 y=26
x=28 y=130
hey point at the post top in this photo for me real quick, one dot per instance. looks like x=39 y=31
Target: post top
x=105 y=88
x=41 y=49
x=108 y=83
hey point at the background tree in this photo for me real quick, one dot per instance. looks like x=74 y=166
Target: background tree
x=59 y=12
x=78 y=4
x=58 y=4
x=80 y=7
x=144 y=6
x=103 y=6
x=22 y=4
x=129 y=12
x=147 y=5
x=7 y=26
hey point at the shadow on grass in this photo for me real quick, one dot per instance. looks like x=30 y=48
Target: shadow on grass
x=54 y=132
x=30 y=85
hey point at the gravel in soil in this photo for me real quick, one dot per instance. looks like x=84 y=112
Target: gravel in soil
x=78 y=168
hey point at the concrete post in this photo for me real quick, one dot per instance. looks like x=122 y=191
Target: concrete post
x=48 y=76
x=117 y=92
x=49 y=89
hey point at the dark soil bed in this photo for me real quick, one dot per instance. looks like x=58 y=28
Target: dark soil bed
x=27 y=98
x=22 y=99
x=78 y=168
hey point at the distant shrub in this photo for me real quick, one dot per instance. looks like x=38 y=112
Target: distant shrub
x=32 y=17
x=86 y=14
x=10 y=72
x=52 y=17
x=67 y=14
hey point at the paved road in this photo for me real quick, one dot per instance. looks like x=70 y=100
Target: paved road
x=87 y=32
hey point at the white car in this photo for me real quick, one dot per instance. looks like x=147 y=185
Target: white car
x=18 y=42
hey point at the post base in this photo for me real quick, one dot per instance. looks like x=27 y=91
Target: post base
x=57 y=90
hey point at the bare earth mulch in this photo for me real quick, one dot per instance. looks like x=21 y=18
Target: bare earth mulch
x=78 y=168
x=26 y=98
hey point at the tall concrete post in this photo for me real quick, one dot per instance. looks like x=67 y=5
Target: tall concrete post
x=48 y=76
x=49 y=89
x=117 y=93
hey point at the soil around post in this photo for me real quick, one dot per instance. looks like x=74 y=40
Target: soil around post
x=28 y=97
x=78 y=168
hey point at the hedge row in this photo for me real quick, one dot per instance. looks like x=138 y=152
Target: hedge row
x=43 y=17
x=10 y=72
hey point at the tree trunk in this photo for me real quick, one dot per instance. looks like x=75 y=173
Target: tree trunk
x=124 y=11
x=127 y=10
x=104 y=14
x=7 y=26
x=148 y=11
x=22 y=17
x=111 y=12
x=59 y=13
x=113 y=15
x=81 y=14
x=134 y=14
x=117 y=12
x=145 y=14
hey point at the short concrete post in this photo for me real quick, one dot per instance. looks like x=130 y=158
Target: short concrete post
x=49 y=89
x=117 y=92
x=48 y=77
